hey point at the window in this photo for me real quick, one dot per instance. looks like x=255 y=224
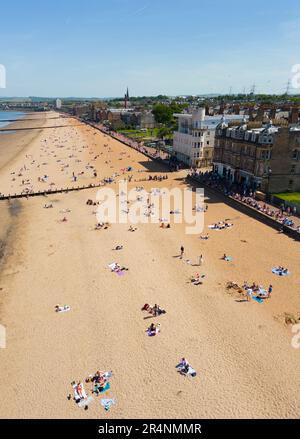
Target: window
x=207 y=142
x=295 y=154
x=293 y=169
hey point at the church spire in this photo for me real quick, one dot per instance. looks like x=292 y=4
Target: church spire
x=126 y=98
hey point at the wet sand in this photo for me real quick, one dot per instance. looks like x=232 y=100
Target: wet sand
x=241 y=350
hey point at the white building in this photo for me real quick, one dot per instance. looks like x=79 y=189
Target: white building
x=194 y=141
x=58 y=104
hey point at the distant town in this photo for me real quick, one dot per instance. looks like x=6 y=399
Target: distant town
x=248 y=140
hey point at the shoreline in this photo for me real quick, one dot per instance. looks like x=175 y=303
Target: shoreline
x=13 y=144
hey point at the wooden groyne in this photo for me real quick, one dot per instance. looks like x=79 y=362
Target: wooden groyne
x=50 y=192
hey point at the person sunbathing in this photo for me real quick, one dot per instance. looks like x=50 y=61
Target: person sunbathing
x=79 y=389
x=196 y=280
x=153 y=329
x=147 y=308
x=157 y=310
x=59 y=308
x=205 y=237
x=119 y=247
x=132 y=229
x=184 y=365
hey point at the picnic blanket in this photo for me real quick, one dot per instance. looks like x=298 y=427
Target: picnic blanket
x=275 y=270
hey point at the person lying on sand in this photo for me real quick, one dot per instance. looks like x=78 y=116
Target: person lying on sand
x=204 y=237
x=117 y=268
x=153 y=329
x=184 y=368
x=48 y=206
x=196 y=280
x=64 y=308
x=155 y=310
x=132 y=229
x=100 y=226
x=165 y=226
x=119 y=247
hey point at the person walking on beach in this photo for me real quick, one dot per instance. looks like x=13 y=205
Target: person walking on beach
x=201 y=260
x=181 y=252
x=270 y=289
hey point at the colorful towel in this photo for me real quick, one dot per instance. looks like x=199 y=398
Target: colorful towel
x=107 y=403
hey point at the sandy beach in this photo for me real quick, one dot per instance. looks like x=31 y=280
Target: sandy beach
x=242 y=351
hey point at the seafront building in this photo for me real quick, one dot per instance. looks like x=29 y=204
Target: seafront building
x=58 y=104
x=194 y=139
x=127 y=118
x=265 y=158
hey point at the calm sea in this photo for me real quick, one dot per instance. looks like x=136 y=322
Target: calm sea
x=9 y=115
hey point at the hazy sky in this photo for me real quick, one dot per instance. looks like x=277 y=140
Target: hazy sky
x=97 y=47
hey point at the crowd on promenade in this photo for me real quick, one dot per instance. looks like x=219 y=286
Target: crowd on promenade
x=138 y=146
x=282 y=215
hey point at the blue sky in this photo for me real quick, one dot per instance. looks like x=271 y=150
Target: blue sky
x=98 y=47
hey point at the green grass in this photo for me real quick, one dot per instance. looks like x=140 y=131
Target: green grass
x=293 y=197
x=141 y=135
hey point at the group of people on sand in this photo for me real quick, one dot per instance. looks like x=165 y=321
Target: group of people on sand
x=158 y=177
x=100 y=381
x=281 y=271
x=165 y=226
x=155 y=310
x=197 y=279
x=102 y=225
x=221 y=225
x=257 y=291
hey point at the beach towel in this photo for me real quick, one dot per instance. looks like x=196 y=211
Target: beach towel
x=84 y=400
x=66 y=308
x=107 y=403
x=112 y=266
x=263 y=291
x=275 y=270
x=257 y=299
x=105 y=388
x=182 y=370
x=228 y=259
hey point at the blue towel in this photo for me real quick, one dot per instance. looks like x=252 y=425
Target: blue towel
x=258 y=299
x=279 y=273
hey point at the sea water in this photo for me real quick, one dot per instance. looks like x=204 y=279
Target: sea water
x=6 y=116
